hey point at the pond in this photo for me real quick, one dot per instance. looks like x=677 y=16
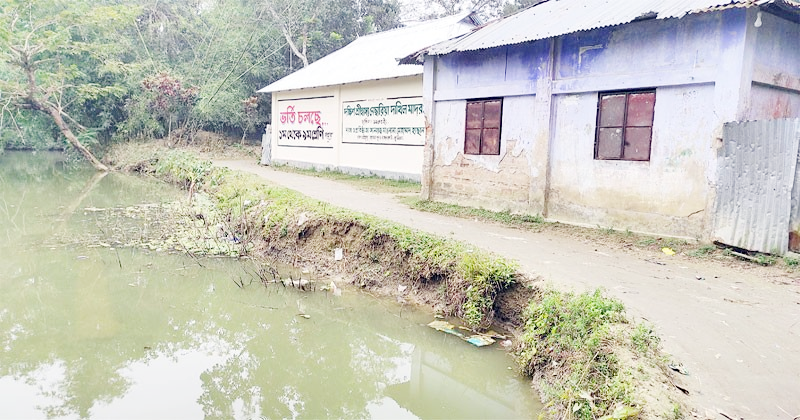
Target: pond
x=115 y=332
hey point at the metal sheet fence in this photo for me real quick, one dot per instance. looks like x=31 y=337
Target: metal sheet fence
x=758 y=187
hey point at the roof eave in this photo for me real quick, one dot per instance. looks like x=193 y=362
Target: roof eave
x=267 y=89
x=789 y=9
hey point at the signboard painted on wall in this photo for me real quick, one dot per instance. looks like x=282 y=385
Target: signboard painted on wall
x=305 y=122
x=390 y=121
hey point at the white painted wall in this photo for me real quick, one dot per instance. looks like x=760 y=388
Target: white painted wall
x=392 y=161
x=498 y=182
x=671 y=189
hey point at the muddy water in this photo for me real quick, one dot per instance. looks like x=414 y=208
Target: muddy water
x=99 y=332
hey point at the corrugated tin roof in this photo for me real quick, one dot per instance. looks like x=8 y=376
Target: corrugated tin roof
x=376 y=56
x=559 y=17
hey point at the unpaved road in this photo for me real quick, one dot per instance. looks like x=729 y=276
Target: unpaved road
x=736 y=331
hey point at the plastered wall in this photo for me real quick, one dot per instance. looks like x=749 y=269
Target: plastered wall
x=389 y=160
x=701 y=66
x=775 y=91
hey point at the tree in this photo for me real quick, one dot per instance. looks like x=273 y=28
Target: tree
x=54 y=55
x=486 y=9
x=328 y=25
x=86 y=65
x=515 y=6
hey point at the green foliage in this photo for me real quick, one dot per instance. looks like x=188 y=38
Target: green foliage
x=28 y=131
x=703 y=251
x=578 y=333
x=514 y=6
x=487 y=275
x=791 y=262
x=183 y=167
x=563 y=322
x=606 y=230
x=69 y=51
x=94 y=58
x=644 y=339
x=646 y=241
x=765 y=259
x=505 y=217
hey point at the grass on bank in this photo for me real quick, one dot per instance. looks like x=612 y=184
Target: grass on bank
x=527 y=221
x=273 y=210
x=605 y=236
x=586 y=357
x=579 y=339
x=365 y=182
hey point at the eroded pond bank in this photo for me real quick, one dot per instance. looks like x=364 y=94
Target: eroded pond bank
x=587 y=358
x=91 y=328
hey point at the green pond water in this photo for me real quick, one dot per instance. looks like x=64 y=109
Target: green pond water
x=104 y=332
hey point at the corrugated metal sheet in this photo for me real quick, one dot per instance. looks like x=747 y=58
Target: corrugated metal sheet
x=558 y=17
x=794 y=217
x=376 y=56
x=756 y=175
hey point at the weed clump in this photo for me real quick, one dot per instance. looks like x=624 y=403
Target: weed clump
x=571 y=344
x=487 y=277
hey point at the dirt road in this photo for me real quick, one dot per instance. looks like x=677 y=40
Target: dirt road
x=736 y=331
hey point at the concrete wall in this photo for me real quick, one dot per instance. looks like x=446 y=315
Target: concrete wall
x=665 y=195
x=550 y=90
x=399 y=161
x=776 y=71
x=493 y=182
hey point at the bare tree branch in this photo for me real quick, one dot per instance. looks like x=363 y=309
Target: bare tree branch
x=281 y=22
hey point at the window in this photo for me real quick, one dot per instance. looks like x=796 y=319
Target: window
x=483 y=127
x=624 y=125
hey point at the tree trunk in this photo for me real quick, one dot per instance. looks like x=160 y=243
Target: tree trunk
x=72 y=139
x=288 y=36
x=27 y=64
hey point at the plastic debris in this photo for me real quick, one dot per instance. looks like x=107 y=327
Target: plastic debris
x=338 y=254
x=478 y=340
x=496 y=335
x=678 y=368
x=302 y=219
x=333 y=289
x=668 y=251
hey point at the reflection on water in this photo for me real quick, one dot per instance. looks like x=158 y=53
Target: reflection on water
x=125 y=333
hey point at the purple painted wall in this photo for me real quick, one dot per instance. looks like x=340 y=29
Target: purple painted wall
x=673 y=44
x=496 y=66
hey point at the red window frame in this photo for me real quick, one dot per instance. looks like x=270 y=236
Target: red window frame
x=625 y=125
x=482 y=127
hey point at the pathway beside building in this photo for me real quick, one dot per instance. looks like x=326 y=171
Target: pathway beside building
x=736 y=332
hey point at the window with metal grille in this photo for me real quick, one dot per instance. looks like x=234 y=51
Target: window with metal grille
x=483 y=127
x=624 y=125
